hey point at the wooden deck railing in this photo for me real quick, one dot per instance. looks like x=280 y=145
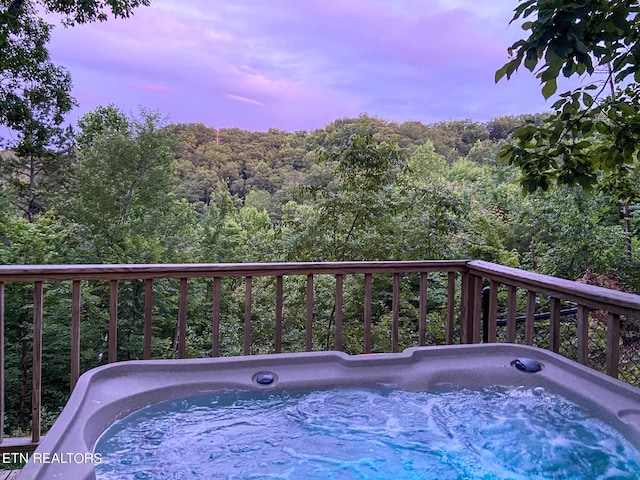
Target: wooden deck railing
x=463 y=282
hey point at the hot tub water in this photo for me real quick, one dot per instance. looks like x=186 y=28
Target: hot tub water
x=491 y=433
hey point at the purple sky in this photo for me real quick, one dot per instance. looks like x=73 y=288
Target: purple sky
x=300 y=64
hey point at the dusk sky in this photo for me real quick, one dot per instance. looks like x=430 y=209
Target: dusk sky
x=300 y=64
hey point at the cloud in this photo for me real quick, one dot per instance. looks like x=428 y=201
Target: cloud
x=149 y=87
x=240 y=98
x=304 y=63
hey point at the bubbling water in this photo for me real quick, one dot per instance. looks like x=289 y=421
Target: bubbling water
x=493 y=434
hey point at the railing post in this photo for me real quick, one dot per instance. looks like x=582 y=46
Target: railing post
x=75 y=332
x=395 y=313
x=554 y=325
x=529 y=326
x=486 y=318
x=477 y=309
x=2 y=406
x=451 y=307
x=466 y=301
x=279 y=298
x=422 y=320
x=309 y=326
x=215 y=319
x=182 y=319
x=339 y=306
x=471 y=307
x=512 y=292
x=148 y=318
x=368 y=292
x=36 y=393
x=247 y=316
x=613 y=344
x=582 y=333
x=493 y=312
x=113 y=321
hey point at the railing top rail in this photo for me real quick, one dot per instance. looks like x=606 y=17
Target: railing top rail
x=583 y=294
x=33 y=273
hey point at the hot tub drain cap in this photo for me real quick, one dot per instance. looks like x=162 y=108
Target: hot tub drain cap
x=527 y=365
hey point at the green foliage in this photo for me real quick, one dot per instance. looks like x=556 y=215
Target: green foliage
x=45 y=240
x=31 y=86
x=122 y=190
x=425 y=167
x=591 y=138
x=35 y=94
x=85 y=11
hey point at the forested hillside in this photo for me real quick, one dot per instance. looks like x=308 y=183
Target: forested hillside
x=138 y=190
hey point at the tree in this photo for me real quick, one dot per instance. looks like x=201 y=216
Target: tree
x=425 y=167
x=123 y=188
x=36 y=170
x=28 y=78
x=592 y=138
x=359 y=201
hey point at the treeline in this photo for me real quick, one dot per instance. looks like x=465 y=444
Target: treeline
x=124 y=189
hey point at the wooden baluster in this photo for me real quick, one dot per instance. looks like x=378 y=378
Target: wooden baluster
x=113 y=321
x=182 y=319
x=279 y=298
x=554 y=325
x=476 y=333
x=471 y=308
x=451 y=307
x=466 y=297
x=368 y=294
x=247 y=315
x=613 y=344
x=493 y=311
x=2 y=351
x=309 y=326
x=529 y=326
x=339 y=301
x=582 y=332
x=395 y=315
x=422 y=316
x=75 y=332
x=512 y=292
x=215 y=319
x=148 y=318
x=36 y=393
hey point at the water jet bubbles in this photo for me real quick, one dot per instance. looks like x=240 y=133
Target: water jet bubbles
x=358 y=433
x=245 y=448
x=155 y=434
x=216 y=454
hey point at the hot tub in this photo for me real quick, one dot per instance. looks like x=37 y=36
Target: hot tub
x=106 y=394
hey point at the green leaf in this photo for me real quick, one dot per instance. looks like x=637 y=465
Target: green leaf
x=531 y=59
x=550 y=87
x=501 y=72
